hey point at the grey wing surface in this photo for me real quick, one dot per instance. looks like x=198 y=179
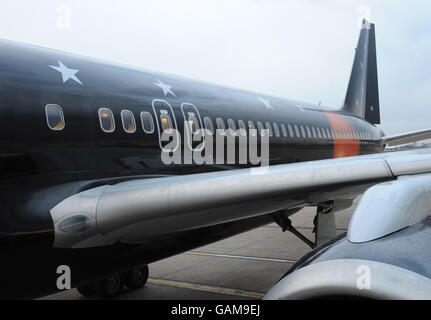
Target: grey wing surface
x=139 y=210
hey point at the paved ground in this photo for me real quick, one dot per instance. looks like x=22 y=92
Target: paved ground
x=241 y=267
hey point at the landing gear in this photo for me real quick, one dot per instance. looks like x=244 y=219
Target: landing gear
x=109 y=287
x=112 y=286
x=324 y=221
x=136 y=278
x=87 y=290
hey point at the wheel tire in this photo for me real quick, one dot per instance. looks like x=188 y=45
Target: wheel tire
x=109 y=287
x=87 y=290
x=136 y=278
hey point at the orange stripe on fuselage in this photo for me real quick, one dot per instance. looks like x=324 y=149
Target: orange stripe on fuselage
x=347 y=147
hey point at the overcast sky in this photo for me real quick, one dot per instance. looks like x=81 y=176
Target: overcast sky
x=298 y=49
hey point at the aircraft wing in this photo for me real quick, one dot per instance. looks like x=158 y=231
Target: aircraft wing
x=404 y=138
x=139 y=210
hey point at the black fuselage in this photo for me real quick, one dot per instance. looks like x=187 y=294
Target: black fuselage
x=41 y=166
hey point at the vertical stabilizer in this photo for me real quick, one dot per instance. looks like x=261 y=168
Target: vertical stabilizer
x=362 y=98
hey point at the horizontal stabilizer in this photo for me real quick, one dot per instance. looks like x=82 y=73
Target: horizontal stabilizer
x=408 y=137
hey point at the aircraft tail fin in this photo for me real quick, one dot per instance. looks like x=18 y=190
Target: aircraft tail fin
x=362 y=98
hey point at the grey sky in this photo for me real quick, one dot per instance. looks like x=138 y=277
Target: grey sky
x=299 y=49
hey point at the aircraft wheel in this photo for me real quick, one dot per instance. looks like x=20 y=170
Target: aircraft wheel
x=136 y=278
x=87 y=290
x=109 y=287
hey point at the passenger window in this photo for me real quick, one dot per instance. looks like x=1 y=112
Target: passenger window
x=147 y=122
x=260 y=128
x=314 y=132
x=303 y=132
x=292 y=134
x=328 y=133
x=128 y=119
x=106 y=119
x=276 y=130
x=194 y=122
x=209 y=125
x=323 y=133
x=308 y=131
x=298 y=134
x=242 y=129
x=54 y=117
x=166 y=121
x=232 y=126
x=251 y=128
x=269 y=127
x=220 y=126
x=283 y=130
x=318 y=132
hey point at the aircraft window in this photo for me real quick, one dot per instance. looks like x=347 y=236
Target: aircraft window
x=318 y=132
x=166 y=121
x=128 y=119
x=242 y=129
x=147 y=122
x=344 y=134
x=298 y=134
x=251 y=128
x=194 y=122
x=292 y=134
x=221 y=126
x=269 y=127
x=323 y=133
x=209 y=125
x=54 y=117
x=106 y=118
x=333 y=133
x=276 y=130
x=314 y=131
x=303 y=132
x=232 y=126
x=283 y=130
x=308 y=132
x=328 y=133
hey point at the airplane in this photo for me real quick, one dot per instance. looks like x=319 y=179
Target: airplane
x=84 y=188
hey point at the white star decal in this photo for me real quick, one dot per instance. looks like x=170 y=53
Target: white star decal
x=67 y=73
x=166 y=88
x=266 y=103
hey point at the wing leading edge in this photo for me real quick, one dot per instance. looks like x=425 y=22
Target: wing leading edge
x=139 y=210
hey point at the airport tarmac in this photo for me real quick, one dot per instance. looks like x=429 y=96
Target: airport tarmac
x=242 y=267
